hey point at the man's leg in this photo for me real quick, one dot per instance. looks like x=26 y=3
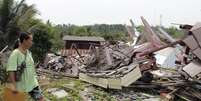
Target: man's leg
x=36 y=94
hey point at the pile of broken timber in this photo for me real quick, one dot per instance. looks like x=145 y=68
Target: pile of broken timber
x=173 y=85
x=114 y=67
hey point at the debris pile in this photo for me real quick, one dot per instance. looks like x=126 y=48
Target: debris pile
x=135 y=66
x=59 y=65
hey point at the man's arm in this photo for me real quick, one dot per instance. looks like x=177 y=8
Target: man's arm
x=12 y=81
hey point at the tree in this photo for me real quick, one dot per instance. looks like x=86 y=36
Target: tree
x=109 y=32
x=14 y=17
x=41 y=42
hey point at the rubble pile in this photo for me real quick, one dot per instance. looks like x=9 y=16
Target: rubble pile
x=119 y=65
x=59 y=65
x=132 y=95
x=112 y=61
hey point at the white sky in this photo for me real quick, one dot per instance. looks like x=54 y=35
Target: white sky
x=87 y=12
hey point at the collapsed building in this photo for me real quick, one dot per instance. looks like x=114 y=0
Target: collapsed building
x=137 y=65
x=80 y=45
x=75 y=54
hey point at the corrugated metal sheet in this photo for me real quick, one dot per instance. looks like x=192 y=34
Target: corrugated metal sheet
x=82 y=38
x=166 y=57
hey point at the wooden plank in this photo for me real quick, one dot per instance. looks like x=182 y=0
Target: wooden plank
x=55 y=73
x=168 y=37
x=108 y=57
x=133 y=27
x=150 y=36
x=130 y=33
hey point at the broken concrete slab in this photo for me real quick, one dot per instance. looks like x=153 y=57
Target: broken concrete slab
x=93 y=80
x=60 y=94
x=114 y=83
x=152 y=99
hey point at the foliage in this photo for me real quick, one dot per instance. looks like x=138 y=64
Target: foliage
x=41 y=42
x=109 y=32
x=176 y=33
x=3 y=74
x=14 y=17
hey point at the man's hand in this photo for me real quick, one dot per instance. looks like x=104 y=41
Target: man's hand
x=12 y=87
x=15 y=92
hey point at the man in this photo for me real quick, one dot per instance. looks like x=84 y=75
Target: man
x=25 y=80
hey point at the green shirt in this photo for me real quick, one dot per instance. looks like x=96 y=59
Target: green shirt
x=28 y=79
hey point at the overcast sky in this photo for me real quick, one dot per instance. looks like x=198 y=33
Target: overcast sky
x=87 y=12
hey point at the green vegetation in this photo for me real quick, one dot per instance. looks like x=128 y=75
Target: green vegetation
x=176 y=33
x=74 y=88
x=19 y=16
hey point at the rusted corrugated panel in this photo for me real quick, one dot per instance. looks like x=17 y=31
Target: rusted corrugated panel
x=151 y=36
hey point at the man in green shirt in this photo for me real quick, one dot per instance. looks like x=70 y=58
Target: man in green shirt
x=27 y=80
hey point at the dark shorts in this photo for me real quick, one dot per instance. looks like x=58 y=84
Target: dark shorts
x=36 y=94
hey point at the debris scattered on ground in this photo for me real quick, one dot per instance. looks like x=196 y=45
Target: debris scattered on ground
x=58 y=93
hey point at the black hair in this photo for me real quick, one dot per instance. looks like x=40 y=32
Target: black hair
x=22 y=36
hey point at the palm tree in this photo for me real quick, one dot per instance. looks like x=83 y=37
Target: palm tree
x=14 y=17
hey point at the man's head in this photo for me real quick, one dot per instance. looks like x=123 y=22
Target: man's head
x=26 y=39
